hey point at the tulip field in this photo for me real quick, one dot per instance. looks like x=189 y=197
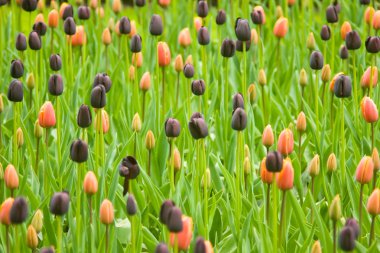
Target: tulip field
x=189 y=126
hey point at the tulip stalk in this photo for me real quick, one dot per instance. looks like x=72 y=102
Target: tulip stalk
x=99 y=140
x=106 y=56
x=177 y=91
x=171 y=164
x=133 y=235
x=244 y=74
x=267 y=210
x=333 y=48
x=80 y=169
x=238 y=182
x=226 y=91
x=107 y=238
x=372 y=233
x=59 y=234
x=175 y=249
x=360 y=205
x=343 y=145
x=371 y=75
x=163 y=91
x=316 y=100
x=58 y=131
x=205 y=184
x=7 y=234
x=143 y=106
x=204 y=74
x=334 y=236
x=52 y=41
x=283 y=203
x=274 y=215
x=15 y=124
x=260 y=46
x=355 y=87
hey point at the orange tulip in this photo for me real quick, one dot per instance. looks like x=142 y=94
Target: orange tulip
x=197 y=23
x=184 y=237
x=209 y=248
x=365 y=81
x=62 y=8
x=90 y=183
x=106 y=36
x=46 y=116
x=116 y=6
x=280 y=27
x=105 y=122
x=369 y=110
x=368 y=15
x=266 y=176
x=53 y=19
x=145 y=81
x=291 y=2
x=267 y=137
x=178 y=63
x=345 y=28
x=373 y=203
x=285 y=178
x=39 y=18
x=5 y=210
x=376 y=20
x=137 y=59
x=184 y=38
x=260 y=8
x=133 y=29
x=285 y=142
x=94 y=4
x=364 y=171
x=79 y=38
x=106 y=212
x=164 y=3
x=163 y=54
x=11 y=177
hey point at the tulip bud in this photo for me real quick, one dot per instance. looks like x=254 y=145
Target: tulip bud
x=242 y=30
x=342 y=86
x=376 y=20
x=331 y=162
x=189 y=59
x=132 y=73
x=301 y=122
x=200 y=246
x=274 y=161
x=325 y=32
x=184 y=38
x=125 y=26
x=314 y=166
x=145 y=82
x=172 y=128
x=174 y=222
x=98 y=97
x=202 y=9
x=188 y=70
x=335 y=212
x=90 y=183
x=185 y=236
x=104 y=80
x=285 y=178
x=31 y=238
x=344 y=29
x=156 y=27
x=106 y=36
x=161 y=248
x=316 y=248
x=59 y=203
x=369 y=110
x=221 y=17
x=149 y=140
x=238 y=101
x=19 y=211
x=136 y=123
x=353 y=40
x=53 y=18
x=5 y=210
x=79 y=151
x=365 y=2
x=21 y=42
x=247 y=166
x=40 y=28
x=364 y=171
x=38 y=130
x=279 y=13
x=310 y=43
x=84 y=117
x=316 y=60
x=265 y=175
x=55 y=85
x=257 y=16
x=83 y=12
x=55 y=62
x=46 y=116
x=163 y=53
x=105 y=122
x=239 y=119
x=343 y=52
x=252 y=94
x=66 y=11
x=106 y=212
x=116 y=6
x=203 y=36
x=268 y=137
x=131 y=205
x=10 y=177
x=176 y=160
x=347 y=239
x=303 y=78
x=69 y=26
x=47 y=250
x=372 y=44
x=29 y=5
x=376 y=159
x=331 y=14
x=365 y=81
x=373 y=203
x=37 y=221
x=280 y=27
x=351 y=222
x=326 y=73
x=178 y=63
x=368 y=15
x=17 y=69
x=198 y=87
x=136 y=43
x=228 y=48
x=20 y=137
x=285 y=142
x=166 y=206
x=15 y=91
x=254 y=36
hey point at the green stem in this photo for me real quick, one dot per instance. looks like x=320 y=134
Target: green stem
x=59 y=131
x=274 y=216
x=343 y=146
x=282 y=215
x=316 y=100
x=355 y=88
x=171 y=166
x=244 y=74
x=267 y=210
x=107 y=238
x=371 y=74
x=360 y=205
x=238 y=181
x=334 y=236
x=226 y=114
x=175 y=243
x=205 y=185
x=133 y=235
x=163 y=92
x=333 y=49
x=59 y=234
x=15 y=124
x=372 y=233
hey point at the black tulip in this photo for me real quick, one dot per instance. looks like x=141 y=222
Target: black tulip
x=342 y=86
x=136 y=43
x=198 y=87
x=239 y=120
x=343 y=52
x=49 y=249
x=55 y=62
x=336 y=6
x=365 y=2
x=29 y=5
x=59 y=203
x=347 y=239
x=331 y=14
x=197 y=126
x=129 y=168
x=19 y=211
x=103 y=79
x=166 y=206
x=228 y=48
x=98 y=97
x=17 y=69
x=202 y=9
x=124 y=25
x=351 y=222
x=257 y=17
x=40 y=28
x=131 y=205
x=172 y=128
x=239 y=45
x=242 y=30
x=69 y=26
x=21 y=42
x=34 y=41
x=140 y=3
x=221 y=17
x=156 y=27
x=161 y=248
x=325 y=33
x=55 y=86
x=68 y=12
x=79 y=151
x=3 y=2
x=203 y=36
x=372 y=44
x=353 y=40
x=200 y=246
x=175 y=220
x=84 y=117
x=15 y=91
x=238 y=101
x=316 y=60
x=274 y=161
x=188 y=70
x=84 y=12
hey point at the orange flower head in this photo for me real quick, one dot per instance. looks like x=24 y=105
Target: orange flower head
x=46 y=116
x=163 y=54
x=285 y=142
x=106 y=212
x=10 y=177
x=5 y=210
x=344 y=29
x=53 y=18
x=369 y=110
x=364 y=171
x=185 y=236
x=184 y=38
x=285 y=178
x=365 y=81
x=90 y=183
x=373 y=203
x=281 y=27
x=266 y=176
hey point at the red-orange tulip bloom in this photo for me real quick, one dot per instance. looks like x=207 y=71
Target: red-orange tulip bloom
x=280 y=27
x=90 y=183
x=53 y=19
x=368 y=15
x=285 y=142
x=344 y=29
x=145 y=81
x=46 y=116
x=163 y=54
x=139 y=57
x=365 y=81
x=260 y=8
x=184 y=237
x=11 y=177
x=106 y=212
x=376 y=20
x=164 y=3
x=184 y=38
x=5 y=210
x=373 y=203
x=285 y=178
x=133 y=29
x=79 y=38
x=267 y=137
x=369 y=110
x=364 y=171
x=39 y=18
x=266 y=176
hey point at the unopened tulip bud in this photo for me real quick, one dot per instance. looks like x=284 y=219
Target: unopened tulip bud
x=265 y=175
x=242 y=30
x=132 y=73
x=5 y=210
x=178 y=63
x=163 y=53
x=281 y=27
x=145 y=82
x=228 y=48
x=197 y=23
x=316 y=248
x=174 y=222
x=161 y=248
x=156 y=26
x=301 y=122
x=325 y=32
x=376 y=159
x=342 y=86
x=79 y=151
x=238 y=101
x=368 y=15
x=31 y=238
x=189 y=59
x=55 y=85
x=17 y=69
x=90 y=183
x=197 y=126
x=353 y=40
x=369 y=110
x=46 y=116
x=202 y=9
x=372 y=44
x=105 y=122
x=116 y=6
x=84 y=12
x=40 y=28
x=106 y=212
x=176 y=160
x=11 y=178
x=136 y=123
x=376 y=20
x=30 y=82
x=331 y=14
x=29 y=5
x=344 y=29
x=347 y=239
x=131 y=205
x=364 y=171
x=351 y=222
x=37 y=220
x=239 y=119
x=184 y=38
x=252 y=94
x=53 y=18
x=268 y=137
x=373 y=203
x=221 y=17
x=285 y=178
x=274 y=161
x=247 y=166
x=19 y=211
x=254 y=36
x=316 y=60
x=326 y=73
x=262 y=77
x=59 y=203
x=343 y=52
x=66 y=11
x=15 y=91
x=136 y=43
x=331 y=163
x=303 y=78
x=69 y=26
x=84 y=117
x=98 y=97
x=314 y=166
x=166 y=206
x=188 y=70
x=310 y=43
x=285 y=142
x=38 y=130
x=208 y=177
x=335 y=211
x=279 y=12
x=203 y=36
x=365 y=81
x=20 y=137
x=150 y=140
x=125 y=25
x=106 y=37
x=198 y=87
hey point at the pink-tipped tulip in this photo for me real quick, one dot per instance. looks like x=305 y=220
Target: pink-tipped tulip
x=164 y=3
x=10 y=177
x=163 y=54
x=145 y=82
x=373 y=203
x=46 y=116
x=365 y=81
x=280 y=27
x=364 y=171
x=285 y=142
x=268 y=137
x=285 y=178
x=344 y=29
x=185 y=236
x=376 y=20
x=369 y=110
x=184 y=38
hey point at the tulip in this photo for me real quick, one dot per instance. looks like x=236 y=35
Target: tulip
x=373 y=208
x=316 y=248
x=335 y=213
x=106 y=217
x=37 y=221
x=129 y=169
x=165 y=209
x=55 y=87
x=331 y=14
x=238 y=101
x=197 y=23
x=344 y=29
x=90 y=187
x=221 y=17
x=366 y=81
x=285 y=143
x=202 y=9
x=79 y=38
x=184 y=38
x=11 y=178
x=46 y=116
x=53 y=19
x=161 y=248
x=198 y=127
x=267 y=177
x=183 y=238
x=281 y=27
x=369 y=110
x=79 y=151
x=84 y=117
x=267 y=137
x=149 y=144
x=347 y=239
x=5 y=209
x=84 y=12
x=351 y=222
